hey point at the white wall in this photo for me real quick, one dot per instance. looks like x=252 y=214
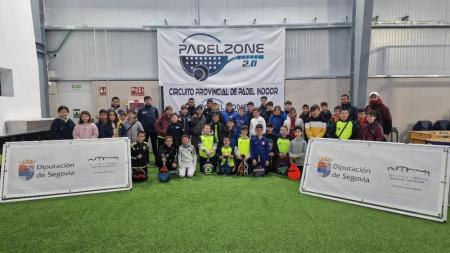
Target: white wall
x=84 y=95
x=315 y=91
x=18 y=52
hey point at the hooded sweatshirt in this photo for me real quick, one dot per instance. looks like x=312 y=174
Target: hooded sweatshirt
x=162 y=124
x=241 y=121
x=383 y=115
x=228 y=115
x=372 y=132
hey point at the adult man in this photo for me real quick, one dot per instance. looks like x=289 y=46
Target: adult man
x=148 y=115
x=268 y=112
x=383 y=114
x=191 y=106
x=115 y=106
x=208 y=110
x=263 y=106
x=346 y=105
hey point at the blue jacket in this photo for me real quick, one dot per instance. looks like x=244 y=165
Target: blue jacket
x=62 y=129
x=277 y=122
x=241 y=121
x=233 y=135
x=259 y=147
x=285 y=114
x=148 y=115
x=227 y=115
x=104 y=131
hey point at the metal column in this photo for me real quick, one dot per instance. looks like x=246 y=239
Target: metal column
x=361 y=29
x=37 y=9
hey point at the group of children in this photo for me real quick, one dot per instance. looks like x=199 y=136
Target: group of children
x=110 y=124
x=224 y=142
x=263 y=149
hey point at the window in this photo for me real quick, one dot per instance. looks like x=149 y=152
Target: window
x=6 y=83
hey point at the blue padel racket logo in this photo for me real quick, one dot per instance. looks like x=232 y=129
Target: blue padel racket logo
x=208 y=56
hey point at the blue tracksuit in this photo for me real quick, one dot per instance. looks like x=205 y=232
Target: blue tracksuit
x=241 y=121
x=233 y=135
x=227 y=115
x=259 y=147
x=277 y=122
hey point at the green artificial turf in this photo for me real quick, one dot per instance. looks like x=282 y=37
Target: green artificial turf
x=212 y=214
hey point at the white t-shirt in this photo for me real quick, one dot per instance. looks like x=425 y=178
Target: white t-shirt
x=256 y=121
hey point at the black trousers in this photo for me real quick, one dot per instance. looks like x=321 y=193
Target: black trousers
x=152 y=137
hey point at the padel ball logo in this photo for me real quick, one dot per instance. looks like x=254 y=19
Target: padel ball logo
x=26 y=169
x=209 y=55
x=324 y=166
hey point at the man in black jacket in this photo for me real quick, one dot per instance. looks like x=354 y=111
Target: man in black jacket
x=346 y=105
x=191 y=106
x=148 y=115
x=208 y=110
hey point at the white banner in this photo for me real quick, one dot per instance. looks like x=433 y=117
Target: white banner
x=402 y=178
x=235 y=65
x=69 y=167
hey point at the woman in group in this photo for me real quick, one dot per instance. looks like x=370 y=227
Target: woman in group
x=85 y=129
x=113 y=119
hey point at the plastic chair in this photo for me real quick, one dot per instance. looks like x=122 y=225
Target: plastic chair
x=441 y=125
x=394 y=132
x=423 y=125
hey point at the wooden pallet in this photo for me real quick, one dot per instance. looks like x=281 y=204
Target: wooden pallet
x=421 y=137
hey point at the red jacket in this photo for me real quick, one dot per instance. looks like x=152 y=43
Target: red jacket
x=383 y=115
x=161 y=125
x=372 y=132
